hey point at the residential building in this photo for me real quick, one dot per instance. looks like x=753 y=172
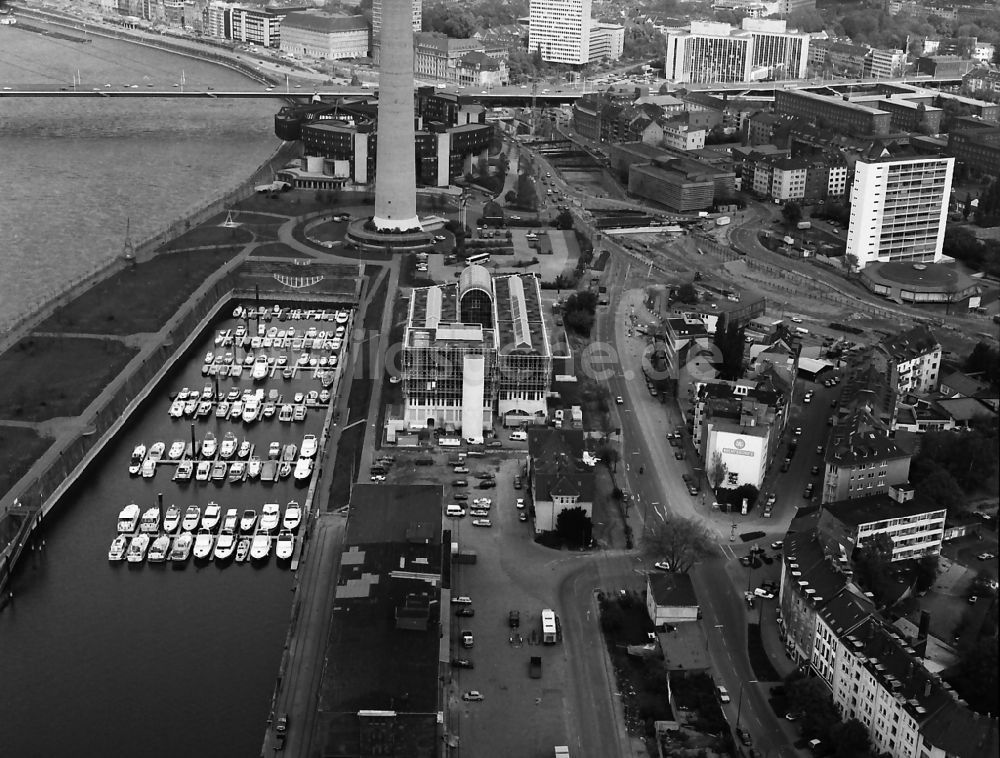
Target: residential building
x=915 y=360
x=559 y=30
x=862 y=462
x=982 y=80
x=671 y=599
x=715 y=52
x=678 y=134
x=680 y=334
x=377 y=16
x=899 y=207
x=978 y=148
x=833 y=113
x=558 y=477
x=607 y=42
x=843 y=57
x=983 y=52
x=476 y=351
x=761 y=127
x=884 y=64
x=477 y=69
x=959 y=384
x=915 y=525
x=324 y=35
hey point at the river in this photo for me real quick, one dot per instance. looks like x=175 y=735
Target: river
x=74 y=171
x=111 y=660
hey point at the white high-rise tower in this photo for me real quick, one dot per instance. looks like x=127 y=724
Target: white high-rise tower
x=560 y=30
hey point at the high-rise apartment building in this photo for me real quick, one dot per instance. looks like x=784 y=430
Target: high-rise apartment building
x=377 y=15
x=560 y=30
x=899 y=206
x=714 y=52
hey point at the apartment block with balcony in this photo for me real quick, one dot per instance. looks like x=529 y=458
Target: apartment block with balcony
x=607 y=42
x=915 y=525
x=915 y=360
x=559 y=30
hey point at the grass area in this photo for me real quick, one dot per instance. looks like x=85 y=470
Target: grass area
x=278 y=250
x=141 y=298
x=19 y=449
x=210 y=236
x=642 y=681
x=348 y=455
x=759 y=661
x=50 y=377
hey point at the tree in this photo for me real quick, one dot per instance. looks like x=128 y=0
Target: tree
x=680 y=541
x=984 y=359
x=564 y=220
x=926 y=573
x=687 y=293
x=511 y=197
x=716 y=470
x=851 y=261
x=850 y=739
x=574 y=526
x=974 y=677
x=940 y=487
x=871 y=567
x=813 y=702
x=792 y=212
x=609 y=456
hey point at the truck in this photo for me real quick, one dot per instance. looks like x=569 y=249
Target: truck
x=535 y=667
x=722 y=221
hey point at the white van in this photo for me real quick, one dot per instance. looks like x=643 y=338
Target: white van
x=800 y=330
x=518 y=436
x=454 y=510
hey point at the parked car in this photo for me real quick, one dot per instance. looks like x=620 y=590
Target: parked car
x=744 y=736
x=723 y=694
x=462 y=663
x=466 y=610
x=462 y=600
x=514 y=619
x=482 y=522
x=473 y=696
x=467 y=639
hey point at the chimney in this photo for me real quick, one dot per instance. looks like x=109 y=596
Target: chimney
x=927 y=688
x=924 y=626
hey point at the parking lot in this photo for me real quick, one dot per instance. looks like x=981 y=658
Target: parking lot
x=505 y=577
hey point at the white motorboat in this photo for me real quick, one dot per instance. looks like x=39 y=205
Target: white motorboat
x=309 y=446
x=204 y=409
x=299 y=414
x=259 y=372
x=182 y=547
x=236 y=409
x=177 y=408
x=288 y=452
x=284 y=470
x=190 y=407
x=176 y=450
x=159 y=549
x=148 y=469
x=292 y=517
x=303 y=469
x=172 y=519
x=128 y=518
x=150 y=521
x=156 y=451
x=219 y=470
x=203 y=543
x=204 y=471
x=251 y=410
x=284 y=546
x=192 y=517
x=237 y=471
x=134 y=468
x=209 y=446
x=253 y=467
x=246 y=447
x=210 y=519
x=270 y=514
x=242 y=549
x=184 y=471
x=231 y=520
x=209 y=357
x=286 y=413
x=228 y=447
x=138 y=453
x=137 y=548
x=268 y=410
x=118 y=547
x=225 y=546
x=222 y=409
x=274 y=450
x=342 y=317
x=248 y=521
x=260 y=547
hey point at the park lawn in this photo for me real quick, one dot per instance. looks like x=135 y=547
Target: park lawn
x=210 y=236
x=52 y=377
x=138 y=299
x=19 y=449
x=278 y=250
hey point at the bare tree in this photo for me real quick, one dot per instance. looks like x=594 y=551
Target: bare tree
x=716 y=471
x=680 y=541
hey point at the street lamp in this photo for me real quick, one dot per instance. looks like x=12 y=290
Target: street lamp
x=739 y=706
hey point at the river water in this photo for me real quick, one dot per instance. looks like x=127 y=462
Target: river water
x=73 y=171
x=112 y=660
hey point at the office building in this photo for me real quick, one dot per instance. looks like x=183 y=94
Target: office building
x=474 y=351
x=415 y=18
x=884 y=64
x=559 y=30
x=607 y=41
x=324 y=35
x=834 y=114
x=899 y=207
x=716 y=52
x=259 y=26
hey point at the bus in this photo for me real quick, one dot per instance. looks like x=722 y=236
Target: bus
x=479 y=258
x=548 y=627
